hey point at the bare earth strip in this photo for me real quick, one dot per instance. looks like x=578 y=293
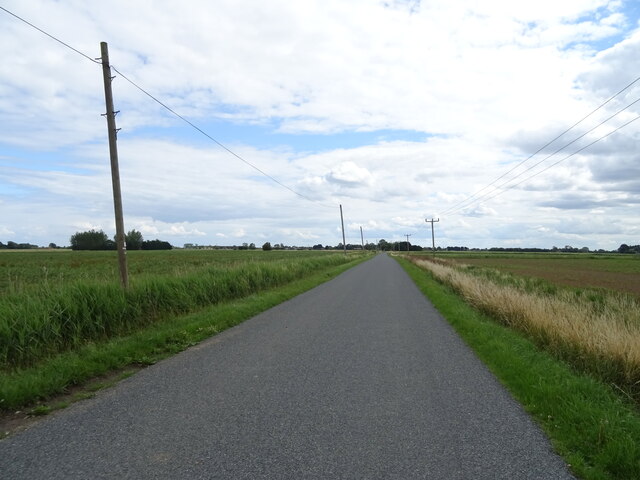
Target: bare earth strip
x=357 y=378
x=576 y=273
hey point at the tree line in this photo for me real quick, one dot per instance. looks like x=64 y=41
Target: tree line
x=98 y=240
x=17 y=246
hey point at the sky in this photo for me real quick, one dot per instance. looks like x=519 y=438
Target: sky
x=398 y=110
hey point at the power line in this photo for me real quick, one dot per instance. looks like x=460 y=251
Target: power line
x=566 y=158
x=165 y=106
x=478 y=199
x=172 y=111
x=561 y=160
x=51 y=36
x=453 y=207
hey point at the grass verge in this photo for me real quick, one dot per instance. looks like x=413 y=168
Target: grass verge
x=596 y=430
x=167 y=336
x=595 y=331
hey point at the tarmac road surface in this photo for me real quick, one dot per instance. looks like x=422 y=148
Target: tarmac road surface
x=359 y=378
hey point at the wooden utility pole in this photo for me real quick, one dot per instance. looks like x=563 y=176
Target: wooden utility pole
x=362 y=238
x=433 y=238
x=344 y=243
x=408 y=235
x=115 y=172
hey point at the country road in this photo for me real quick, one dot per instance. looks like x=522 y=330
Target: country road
x=359 y=378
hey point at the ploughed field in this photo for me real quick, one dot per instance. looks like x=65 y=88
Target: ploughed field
x=613 y=272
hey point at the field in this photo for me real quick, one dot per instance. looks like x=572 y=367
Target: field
x=58 y=301
x=613 y=272
x=23 y=270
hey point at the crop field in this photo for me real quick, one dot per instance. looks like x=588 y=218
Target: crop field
x=613 y=272
x=57 y=301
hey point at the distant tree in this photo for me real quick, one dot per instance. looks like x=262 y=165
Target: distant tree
x=53 y=245
x=318 y=247
x=155 y=245
x=266 y=246
x=252 y=246
x=91 y=240
x=134 y=240
x=624 y=248
x=19 y=246
x=401 y=246
x=2 y=245
x=384 y=245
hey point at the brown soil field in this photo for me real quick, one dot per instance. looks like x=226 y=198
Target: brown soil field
x=618 y=274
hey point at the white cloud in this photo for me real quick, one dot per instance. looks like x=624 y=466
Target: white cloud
x=349 y=174
x=182 y=230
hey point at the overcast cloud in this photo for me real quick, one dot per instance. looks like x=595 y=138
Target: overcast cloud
x=398 y=110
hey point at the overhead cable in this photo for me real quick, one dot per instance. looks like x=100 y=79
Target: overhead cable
x=498 y=193
x=172 y=111
x=465 y=204
x=51 y=36
x=165 y=106
x=565 y=158
x=453 y=207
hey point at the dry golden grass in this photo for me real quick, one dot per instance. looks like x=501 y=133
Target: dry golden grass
x=603 y=338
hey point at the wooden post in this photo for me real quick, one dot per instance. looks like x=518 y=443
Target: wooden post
x=433 y=238
x=115 y=172
x=344 y=243
x=408 y=235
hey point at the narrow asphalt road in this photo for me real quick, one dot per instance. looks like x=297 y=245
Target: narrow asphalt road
x=359 y=378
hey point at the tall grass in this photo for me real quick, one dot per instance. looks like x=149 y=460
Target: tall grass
x=39 y=322
x=596 y=333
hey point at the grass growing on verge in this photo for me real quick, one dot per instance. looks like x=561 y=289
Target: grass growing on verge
x=596 y=430
x=596 y=332
x=168 y=335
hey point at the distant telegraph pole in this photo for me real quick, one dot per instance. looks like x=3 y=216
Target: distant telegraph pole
x=344 y=243
x=362 y=238
x=115 y=172
x=433 y=238
x=408 y=235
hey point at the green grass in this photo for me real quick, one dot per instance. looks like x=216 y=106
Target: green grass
x=41 y=320
x=31 y=269
x=168 y=335
x=593 y=427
